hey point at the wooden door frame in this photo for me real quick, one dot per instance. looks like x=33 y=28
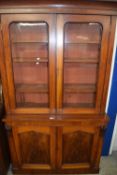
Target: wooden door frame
x=5 y=22
x=105 y=22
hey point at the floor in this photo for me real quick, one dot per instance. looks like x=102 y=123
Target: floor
x=108 y=165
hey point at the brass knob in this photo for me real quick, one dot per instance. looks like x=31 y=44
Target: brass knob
x=37 y=60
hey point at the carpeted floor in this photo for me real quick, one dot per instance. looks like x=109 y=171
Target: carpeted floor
x=108 y=165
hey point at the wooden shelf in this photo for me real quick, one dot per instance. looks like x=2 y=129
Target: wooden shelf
x=29 y=60
x=30 y=42
x=82 y=42
x=31 y=88
x=79 y=88
x=78 y=105
x=81 y=60
x=33 y=105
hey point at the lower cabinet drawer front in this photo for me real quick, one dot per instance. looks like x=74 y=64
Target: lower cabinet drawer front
x=56 y=147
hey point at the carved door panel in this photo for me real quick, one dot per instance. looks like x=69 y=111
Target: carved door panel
x=76 y=147
x=35 y=147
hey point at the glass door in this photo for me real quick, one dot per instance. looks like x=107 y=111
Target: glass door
x=31 y=40
x=82 y=61
x=29 y=46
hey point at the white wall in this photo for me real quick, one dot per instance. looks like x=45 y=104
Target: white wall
x=115 y=137
x=113 y=146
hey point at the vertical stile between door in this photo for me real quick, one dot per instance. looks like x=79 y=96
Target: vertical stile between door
x=59 y=51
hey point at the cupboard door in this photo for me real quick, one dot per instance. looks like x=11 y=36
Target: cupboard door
x=77 y=148
x=35 y=147
x=82 y=43
x=29 y=42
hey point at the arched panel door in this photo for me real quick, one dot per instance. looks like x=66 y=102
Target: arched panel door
x=77 y=148
x=34 y=147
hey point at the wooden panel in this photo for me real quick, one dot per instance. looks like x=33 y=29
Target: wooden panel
x=30 y=80
x=27 y=50
x=81 y=50
x=80 y=73
x=79 y=100
x=76 y=147
x=83 y=7
x=35 y=146
x=26 y=73
x=32 y=100
x=40 y=88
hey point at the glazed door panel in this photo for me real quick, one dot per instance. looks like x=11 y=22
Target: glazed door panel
x=35 y=146
x=29 y=42
x=82 y=43
x=76 y=147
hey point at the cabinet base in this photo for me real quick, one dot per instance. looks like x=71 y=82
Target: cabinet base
x=80 y=171
x=66 y=145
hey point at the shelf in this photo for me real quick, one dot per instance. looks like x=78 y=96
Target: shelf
x=78 y=105
x=30 y=50
x=31 y=88
x=29 y=60
x=81 y=60
x=29 y=42
x=79 y=88
x=33 y=105
x=83 y=42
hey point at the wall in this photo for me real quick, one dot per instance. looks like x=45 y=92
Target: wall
x=111 y=101
x=113 y=146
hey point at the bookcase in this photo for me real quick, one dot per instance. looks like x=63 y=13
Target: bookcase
x=55 y=60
